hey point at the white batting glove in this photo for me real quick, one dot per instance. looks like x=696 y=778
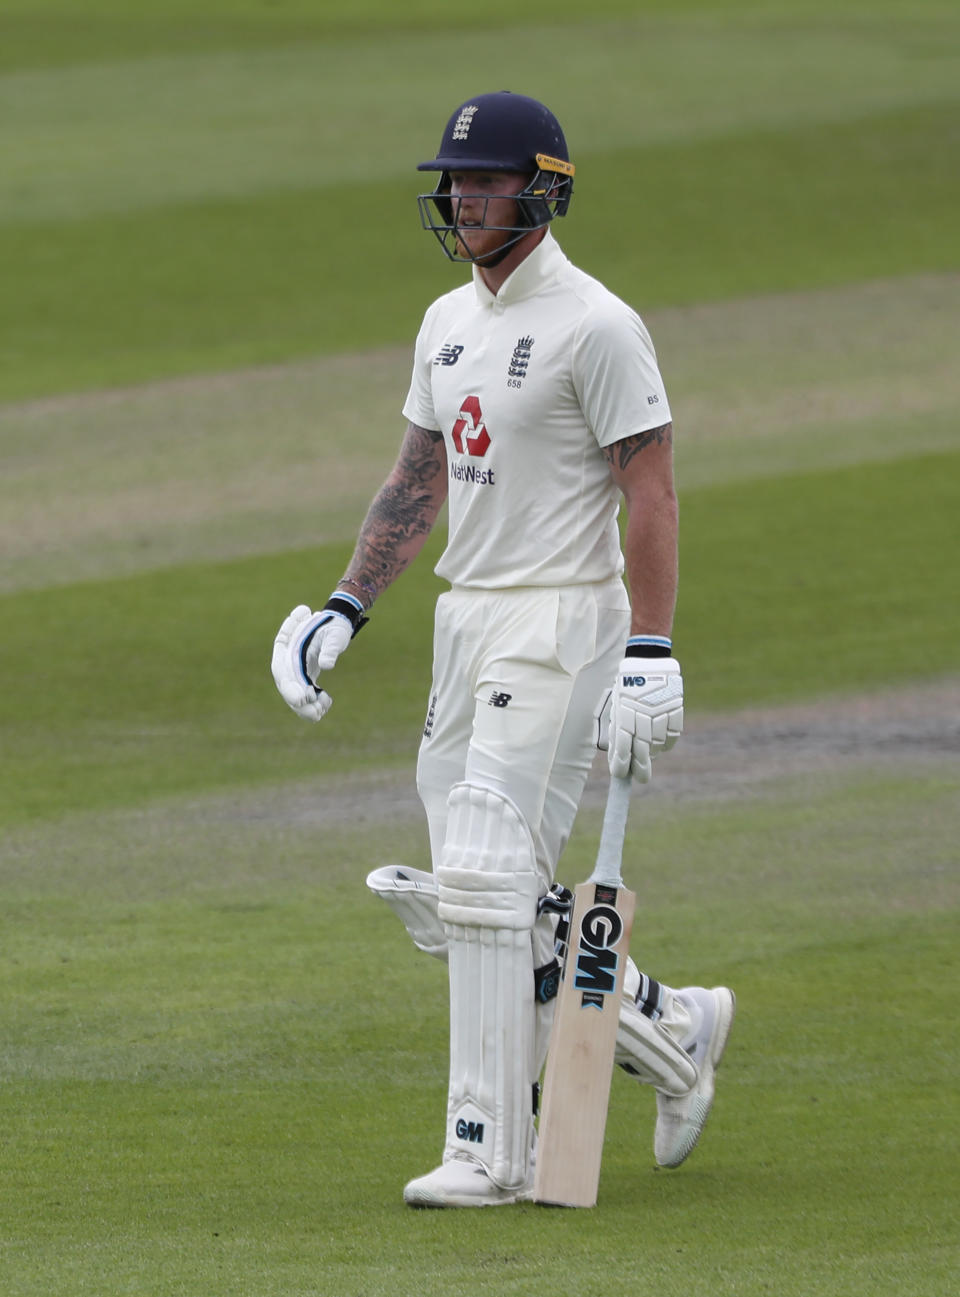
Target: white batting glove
x=646 y=713
x=308 y=643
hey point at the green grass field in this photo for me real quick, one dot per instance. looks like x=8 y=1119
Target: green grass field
x=220 y=1058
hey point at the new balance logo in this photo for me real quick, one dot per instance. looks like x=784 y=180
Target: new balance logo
x=471 y=1131
x=499 y=700
x=448 y=354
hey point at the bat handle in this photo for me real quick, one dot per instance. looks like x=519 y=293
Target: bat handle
x=610 y=853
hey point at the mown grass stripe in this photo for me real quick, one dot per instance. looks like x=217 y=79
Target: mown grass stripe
x=792 y=588
x=219 y=285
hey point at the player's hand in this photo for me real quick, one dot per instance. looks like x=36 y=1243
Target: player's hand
x=646 y=715
x=306 y=644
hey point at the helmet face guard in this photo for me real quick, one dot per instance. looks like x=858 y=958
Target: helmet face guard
x=499 y=132
x=543 y=197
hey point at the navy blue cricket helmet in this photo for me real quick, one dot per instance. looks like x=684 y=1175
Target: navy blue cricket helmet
x=500 y=132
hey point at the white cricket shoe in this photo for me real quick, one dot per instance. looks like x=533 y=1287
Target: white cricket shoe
x=680 y=1120
x=459 y=1183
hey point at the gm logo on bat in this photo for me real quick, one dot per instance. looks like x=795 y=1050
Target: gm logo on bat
x=597 y=960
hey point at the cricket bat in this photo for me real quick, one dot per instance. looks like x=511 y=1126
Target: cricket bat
x=576 y=1086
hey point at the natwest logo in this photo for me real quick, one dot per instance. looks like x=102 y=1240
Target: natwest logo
x=469 y=434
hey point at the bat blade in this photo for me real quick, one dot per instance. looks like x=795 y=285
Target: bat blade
x=576 y=1090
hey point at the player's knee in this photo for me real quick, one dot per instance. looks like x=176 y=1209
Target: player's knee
x=488 y=872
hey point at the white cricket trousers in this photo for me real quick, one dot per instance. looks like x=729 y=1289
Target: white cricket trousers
x=518 y=678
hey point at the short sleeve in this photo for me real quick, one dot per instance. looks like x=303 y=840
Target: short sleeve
x=616 y=375
x=418 y=407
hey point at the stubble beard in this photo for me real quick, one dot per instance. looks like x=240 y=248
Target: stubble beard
x=491 y=244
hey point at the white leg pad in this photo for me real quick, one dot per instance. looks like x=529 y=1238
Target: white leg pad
x=676 y=1018
x=412 y=894
x=648 y=1050
x=488 y=891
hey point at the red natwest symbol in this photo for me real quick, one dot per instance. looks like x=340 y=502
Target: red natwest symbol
x=471 y=423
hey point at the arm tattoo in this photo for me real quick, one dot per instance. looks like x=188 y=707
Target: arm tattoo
x=620 y=453
x=403 y=511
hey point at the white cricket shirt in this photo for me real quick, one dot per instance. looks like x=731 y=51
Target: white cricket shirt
x=526 y=387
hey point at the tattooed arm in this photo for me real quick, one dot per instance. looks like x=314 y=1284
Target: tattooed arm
x=401 y=515
x=642 y=467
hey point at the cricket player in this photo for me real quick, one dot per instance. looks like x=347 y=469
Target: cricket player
x=535 y=406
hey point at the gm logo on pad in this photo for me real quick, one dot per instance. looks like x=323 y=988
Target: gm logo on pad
x=471 y=1131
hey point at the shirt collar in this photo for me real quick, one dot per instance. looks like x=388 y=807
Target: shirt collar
x=534 y=272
